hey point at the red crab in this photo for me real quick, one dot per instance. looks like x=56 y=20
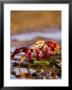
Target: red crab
x=40 y=49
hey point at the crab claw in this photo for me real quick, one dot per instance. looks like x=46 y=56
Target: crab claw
x=53 y=45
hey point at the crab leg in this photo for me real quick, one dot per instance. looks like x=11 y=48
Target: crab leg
x=23 y=49
x=39 y=53
x=21 y=60
x=28 y=51
x=30 y=56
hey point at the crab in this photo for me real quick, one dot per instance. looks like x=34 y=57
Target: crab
x=40 y=49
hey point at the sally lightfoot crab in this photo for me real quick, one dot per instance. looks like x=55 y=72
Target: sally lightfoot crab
x=40 y=49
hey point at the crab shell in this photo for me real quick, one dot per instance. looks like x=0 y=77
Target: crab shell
x=37 y=44
x=41 y=44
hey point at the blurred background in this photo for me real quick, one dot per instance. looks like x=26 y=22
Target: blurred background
x=33 y=20
x=28 y=26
